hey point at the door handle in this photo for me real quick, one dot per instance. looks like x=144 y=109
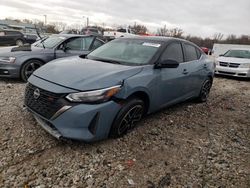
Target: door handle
x=185 y=71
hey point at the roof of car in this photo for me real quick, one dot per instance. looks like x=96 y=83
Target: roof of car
x=157 y=38
x=69 y=35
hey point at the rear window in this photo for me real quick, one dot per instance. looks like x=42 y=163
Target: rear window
x=190 y=52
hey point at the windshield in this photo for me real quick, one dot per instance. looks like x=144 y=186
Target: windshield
x=238 y=53
x=50 y=42
x=126 y=51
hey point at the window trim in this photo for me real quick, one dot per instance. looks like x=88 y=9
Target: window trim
x=183 y=46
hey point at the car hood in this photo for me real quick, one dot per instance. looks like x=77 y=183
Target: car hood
x=233 y=60
x=84 y=74
x=7 y=51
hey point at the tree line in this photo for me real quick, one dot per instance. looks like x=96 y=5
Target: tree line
x=140 y=29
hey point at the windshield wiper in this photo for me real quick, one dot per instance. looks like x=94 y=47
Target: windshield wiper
x=39 y=37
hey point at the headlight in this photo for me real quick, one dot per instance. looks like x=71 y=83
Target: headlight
x=217 y=62
x=245 y=65
x=8 y=59
x=96 y=96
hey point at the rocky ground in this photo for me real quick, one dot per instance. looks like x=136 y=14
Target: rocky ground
x=188 y=145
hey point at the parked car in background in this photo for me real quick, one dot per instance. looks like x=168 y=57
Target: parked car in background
x=206 y=50
x=21 y=62
x=72 y=31
x=12 y=37
x=235 y=62
x=121 y=32
x=106 y=93
x=92 y=31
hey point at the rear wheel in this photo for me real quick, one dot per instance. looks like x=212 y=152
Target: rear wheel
x=19 y=42
x=28 y=68
x=205 y=90
x=126 y=119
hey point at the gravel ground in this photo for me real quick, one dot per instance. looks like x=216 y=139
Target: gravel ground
x=188 y=145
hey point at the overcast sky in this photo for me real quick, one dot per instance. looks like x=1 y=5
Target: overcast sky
x=197 y=17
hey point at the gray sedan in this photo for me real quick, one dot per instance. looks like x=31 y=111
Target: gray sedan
x=21 y=62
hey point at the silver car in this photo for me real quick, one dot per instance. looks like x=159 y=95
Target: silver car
x=235 y=62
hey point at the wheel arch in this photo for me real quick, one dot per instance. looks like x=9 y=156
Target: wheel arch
x=143 y=96
x=26 y=61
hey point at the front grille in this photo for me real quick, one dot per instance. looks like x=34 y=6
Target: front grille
x=232 y=65
x=47 y=104
x=229 y=73
x=223 y=64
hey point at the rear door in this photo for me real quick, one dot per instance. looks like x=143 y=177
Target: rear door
x=172 y=81
x=195 y=67
x=74 y=46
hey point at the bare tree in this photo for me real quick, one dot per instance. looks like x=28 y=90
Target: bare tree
x=60 y=26
x=139 y=29
x=218 y=36
x=173 y=32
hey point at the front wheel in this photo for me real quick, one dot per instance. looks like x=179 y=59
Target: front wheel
x=28 y=68
x=126 y=119
x=205 y=90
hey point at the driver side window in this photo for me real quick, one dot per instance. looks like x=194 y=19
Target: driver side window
x=79 y=43
x=74 y=44
x=173 y=52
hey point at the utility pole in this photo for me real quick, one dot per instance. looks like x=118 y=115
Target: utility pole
x=87 y=21
x=45 y=19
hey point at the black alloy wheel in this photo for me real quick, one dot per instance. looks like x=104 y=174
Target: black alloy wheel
x=130 y=114
x=205 y=90
x=29 y=68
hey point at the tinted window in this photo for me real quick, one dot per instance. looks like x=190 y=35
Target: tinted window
x=121 y=30
x=87 y=42
x=79 y=43
x=12 y=33
x=198 y=52
x=191 y=53
x=97 y=44
x=173 y=52
x=75 y=44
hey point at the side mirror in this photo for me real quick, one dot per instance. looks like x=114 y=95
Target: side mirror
x=221 y=55
x=169 y=63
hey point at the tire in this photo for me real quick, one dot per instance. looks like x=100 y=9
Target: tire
x=19 y=42
x=126 y=119
x=205 y=90
x=29 y=67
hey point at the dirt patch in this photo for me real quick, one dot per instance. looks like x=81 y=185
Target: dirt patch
x=188 y=145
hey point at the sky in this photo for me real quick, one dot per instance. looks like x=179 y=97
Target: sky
x=196 y=17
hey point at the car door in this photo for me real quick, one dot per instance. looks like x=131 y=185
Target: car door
x=74 y=46
x=2 y=38
x=171 y=81
x=5 y=38
x=195 y=68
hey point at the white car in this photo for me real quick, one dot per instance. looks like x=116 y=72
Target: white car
x=235 y=62
x=121 y=32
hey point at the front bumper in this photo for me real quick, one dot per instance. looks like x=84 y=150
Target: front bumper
x=9 y=70
x=84 y=122
x=236 y=72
